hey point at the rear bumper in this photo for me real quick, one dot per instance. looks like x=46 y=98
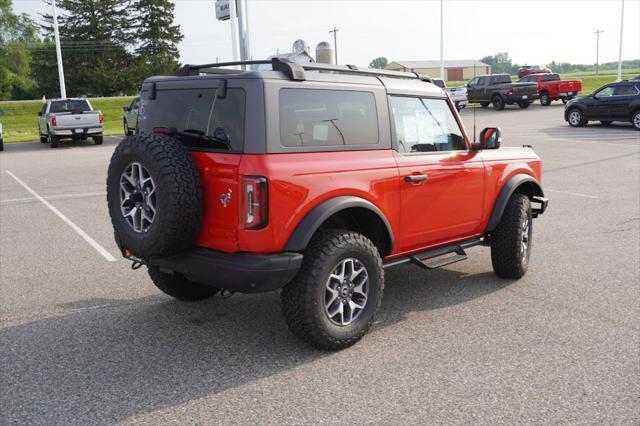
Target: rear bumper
x=241 y=272
x=76 y=133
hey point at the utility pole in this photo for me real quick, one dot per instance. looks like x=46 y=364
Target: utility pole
x=620 y=51
x=243 y=30
x=63 y=89
x=441 y=42
x=335 y=42
x=597 y=33
x=234 y=29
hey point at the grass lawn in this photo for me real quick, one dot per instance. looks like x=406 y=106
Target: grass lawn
x=20 y=119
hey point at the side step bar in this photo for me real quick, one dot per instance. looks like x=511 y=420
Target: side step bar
x=439 y=257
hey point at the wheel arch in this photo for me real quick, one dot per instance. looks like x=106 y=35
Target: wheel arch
x=347 y=212
x=518 y=184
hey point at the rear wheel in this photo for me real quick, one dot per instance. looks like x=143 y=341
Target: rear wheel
x=332 y=301
x=511 y=241
x=545 y=99
x=523 y=105
x=177 y=286
x=576 y=118
x=98 y=140
x=498 y=103
x=53 y=140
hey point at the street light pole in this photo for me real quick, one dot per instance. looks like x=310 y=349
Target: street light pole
x=63 y=89
x=597 y=33
x=234 y=29
x=335 y=42
x=620 y=51
x=441 y=42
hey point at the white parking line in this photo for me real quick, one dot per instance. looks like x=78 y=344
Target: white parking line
x=53 y=197
x=66 y=220
x=577 y=194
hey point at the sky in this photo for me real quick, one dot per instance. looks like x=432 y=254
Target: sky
x=532 y=31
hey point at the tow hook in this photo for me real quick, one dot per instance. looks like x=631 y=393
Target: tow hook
x=136 y=262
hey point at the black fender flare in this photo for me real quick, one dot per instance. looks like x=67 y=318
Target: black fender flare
x=304 y=231
x=505 y=194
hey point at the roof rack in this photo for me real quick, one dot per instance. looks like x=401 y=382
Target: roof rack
x=296 y=71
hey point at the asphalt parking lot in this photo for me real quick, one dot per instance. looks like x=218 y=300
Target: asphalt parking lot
x=84 y=339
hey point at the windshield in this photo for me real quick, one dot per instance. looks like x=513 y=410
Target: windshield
x=70 y=105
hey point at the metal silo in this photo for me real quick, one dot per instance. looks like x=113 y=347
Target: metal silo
x=324 y=53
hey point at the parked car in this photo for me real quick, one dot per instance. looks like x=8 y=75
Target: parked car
x=312 y=182
x=552 y=88
x=500 y=91
x=532 y=69
x=612 y=102
x=71 y=118
x=457 y=94
x=130 y=116
x=1 y=137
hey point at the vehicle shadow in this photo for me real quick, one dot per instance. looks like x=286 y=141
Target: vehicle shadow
x=107 y=360
x=17 y=147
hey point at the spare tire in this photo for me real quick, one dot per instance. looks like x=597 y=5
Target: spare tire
x=154 y=195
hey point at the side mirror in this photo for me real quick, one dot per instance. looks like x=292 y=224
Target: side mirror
x=220 y=134
x=39 y=113
x=490 y=138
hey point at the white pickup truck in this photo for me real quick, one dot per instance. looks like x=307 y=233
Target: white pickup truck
x=458 y=95
x=72 y=118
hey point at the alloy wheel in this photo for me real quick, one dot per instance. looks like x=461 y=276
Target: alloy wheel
x=346 y=292
x=137 y=197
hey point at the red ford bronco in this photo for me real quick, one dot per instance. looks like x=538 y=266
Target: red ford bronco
x=312 y=179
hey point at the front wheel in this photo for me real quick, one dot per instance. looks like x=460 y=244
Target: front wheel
x=484 y=104
x=576 y=118
x=511 y=241
x=332 y=301
x=545 y=100
x=179 y=287
x=635 y=119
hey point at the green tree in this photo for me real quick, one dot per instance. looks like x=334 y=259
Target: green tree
x=95 y=35
x=379 y=62
x=157 y=37
x=17 y=32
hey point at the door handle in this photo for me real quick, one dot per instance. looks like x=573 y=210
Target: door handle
x=415 y=178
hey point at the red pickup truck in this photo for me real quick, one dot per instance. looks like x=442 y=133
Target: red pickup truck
x=551 y=87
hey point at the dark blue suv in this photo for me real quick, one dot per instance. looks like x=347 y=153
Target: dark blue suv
x=612 y=102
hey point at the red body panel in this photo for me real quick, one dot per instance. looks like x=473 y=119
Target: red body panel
x=454 y=203
x=558 y=88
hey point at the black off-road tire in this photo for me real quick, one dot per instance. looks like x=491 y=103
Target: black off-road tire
x=303 y=299
x=545 y=100
x=498 y=103
x=178 y=195
x=523 y=105
x=98 y=140
x=43 y=139
x=484 y=104
x=53 y=140
x=507 y=255
x=179 y=287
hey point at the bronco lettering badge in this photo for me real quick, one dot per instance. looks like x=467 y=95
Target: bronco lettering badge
x=225 y=198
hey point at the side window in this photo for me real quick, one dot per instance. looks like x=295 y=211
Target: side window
x=483 y=81
x=625 y=90
x=425 y=125
x=473 y=82
x=134 y=104
x=606 y=92
x=316 y=117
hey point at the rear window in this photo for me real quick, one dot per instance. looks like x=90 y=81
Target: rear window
x=500 y=79
x=197 y=113
x=79 y=105
x=311 y=117
x=551 y=77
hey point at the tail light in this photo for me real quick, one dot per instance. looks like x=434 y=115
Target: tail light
x=509 y=90
x=54 y=121
x=101 y=118
x=255 y=205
